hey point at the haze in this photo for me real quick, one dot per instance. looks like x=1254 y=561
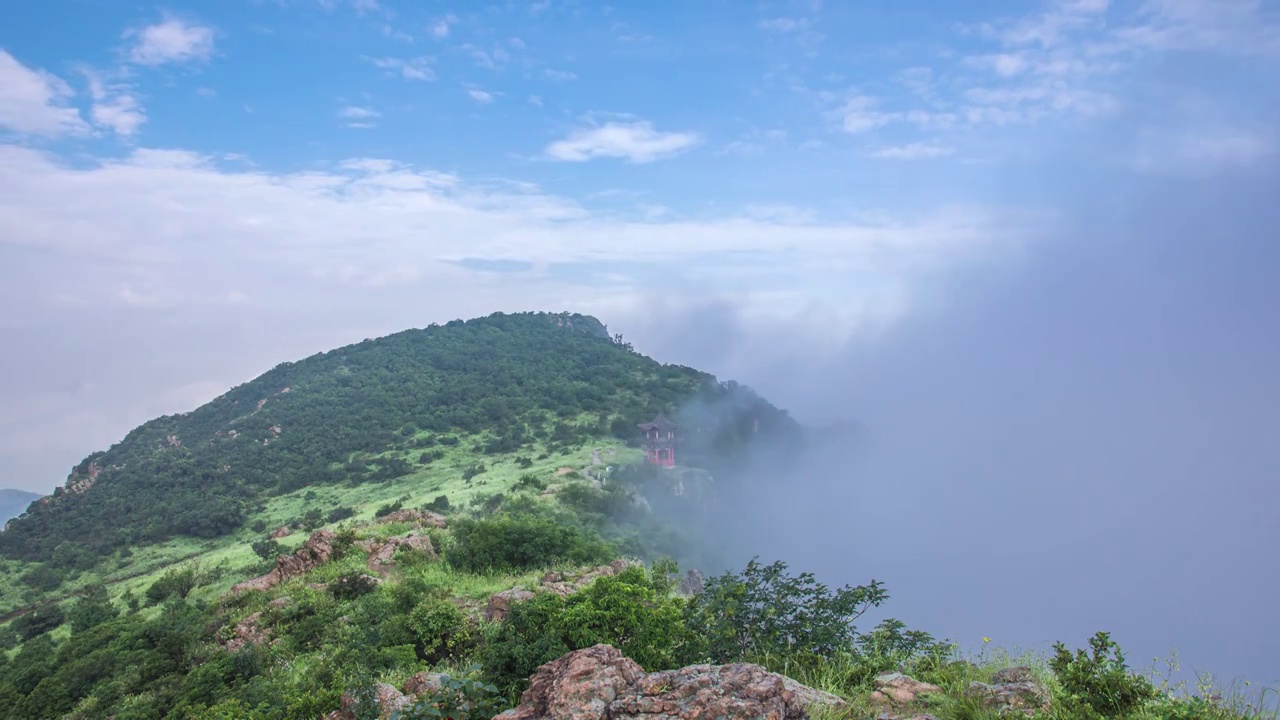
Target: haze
x=1029 y=248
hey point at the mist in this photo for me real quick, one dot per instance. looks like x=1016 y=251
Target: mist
x=1082 y=438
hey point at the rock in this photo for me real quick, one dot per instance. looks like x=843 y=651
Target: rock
x=897 y=690
x=382 y=554
x=389 y=700
x=419 y=517
x=247 y=632
x=423 y=683
x=500 y=603
x=692 y=583
x=317 y=550
x=599 y=683
x=280 y=532
x=280 y=602
x=1012 y=690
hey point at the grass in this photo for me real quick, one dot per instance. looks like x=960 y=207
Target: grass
x=232 y=558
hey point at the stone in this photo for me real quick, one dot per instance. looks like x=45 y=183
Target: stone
x=248 y=633
x=499 y=605
x=280 y=532
x=897 y=690
x=418 y=517
x=382 y=554
x=598 y=683
x=1012 y=690
x=317 y=550
x=559 y=583
x=692 y=583
x=424 y=683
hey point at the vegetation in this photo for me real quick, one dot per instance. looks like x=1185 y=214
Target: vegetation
x=494 y=422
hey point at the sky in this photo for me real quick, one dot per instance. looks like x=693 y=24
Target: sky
x=1027 y=244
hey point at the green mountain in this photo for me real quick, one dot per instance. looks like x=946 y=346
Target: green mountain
x=14 y=502
x=370 y=413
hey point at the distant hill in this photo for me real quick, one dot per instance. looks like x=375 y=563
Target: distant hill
x=372 y=411
x=14 y=502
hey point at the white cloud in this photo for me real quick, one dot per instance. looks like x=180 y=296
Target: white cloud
x=480 y=96
x=535 y=101
x=171 y=40
x=636 y=141
x=559 y=75
x=440 y=27
x=914 y=151
x=33 y=101
x=357 y=116
x=859 y=115
x=785 y=24
x=418 y=68
x=115 y=106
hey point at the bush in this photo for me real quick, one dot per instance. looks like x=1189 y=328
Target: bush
x=266 y=548
x=388 y=509
x=339 y=514
x=473 y=470
x=351 y=585
x=531 y=482
x=176 y=582
x=39 y=621
x=1099 y=685
x=440 y=629
x=464 y=697
x=440 y=504
x=765 y=612
x=633 y=611
x=522 y=542
x=91 y=609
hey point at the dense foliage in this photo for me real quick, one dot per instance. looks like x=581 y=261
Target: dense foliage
x=366 y=413
x=521 y=542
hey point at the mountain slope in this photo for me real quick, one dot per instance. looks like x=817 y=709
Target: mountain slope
x=14 y=502
x=370 y=412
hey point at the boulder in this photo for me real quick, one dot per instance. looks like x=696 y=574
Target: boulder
x=382 y=553
x=423 y=683
x=895 y=690
x=599 y=683
x=418 y=517
x=500 y=603
x=1012 y=690
x=692 y=583
x=280 y=532
x=317 y=550
x=247 y=632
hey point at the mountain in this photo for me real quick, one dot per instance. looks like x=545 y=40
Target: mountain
x=372 y=412
x=14 y=502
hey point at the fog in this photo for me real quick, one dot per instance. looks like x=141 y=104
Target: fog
x=1083 y=439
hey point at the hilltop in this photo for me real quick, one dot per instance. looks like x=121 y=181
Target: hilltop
x=419 y=407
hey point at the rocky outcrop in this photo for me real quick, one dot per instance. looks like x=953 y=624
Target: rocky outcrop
x=389 y=698
x=1012 y=690
x=692 y=583
x=559 y=583
x=382 y=552
x=599 y=683
x=417 y=517
x=247 y=632
x=317 y=550
x=280 y=532
x=895 y=690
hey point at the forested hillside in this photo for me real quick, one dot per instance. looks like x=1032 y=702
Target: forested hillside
x=371 y=412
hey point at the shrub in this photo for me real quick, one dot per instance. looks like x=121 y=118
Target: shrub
x=39 y=621
x=388 y=509
x=522 y=542
x=351 y=585
x=440 y=504
x=524 y=462
x=339 y=514
x=531 y=482
x=440 y=629
x=473 y=470
x=176 y=582
x=1099 y=684
x=91 y=609
x=463 y=697
x=632 y=611
x=266 y=548
x=765 y=611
